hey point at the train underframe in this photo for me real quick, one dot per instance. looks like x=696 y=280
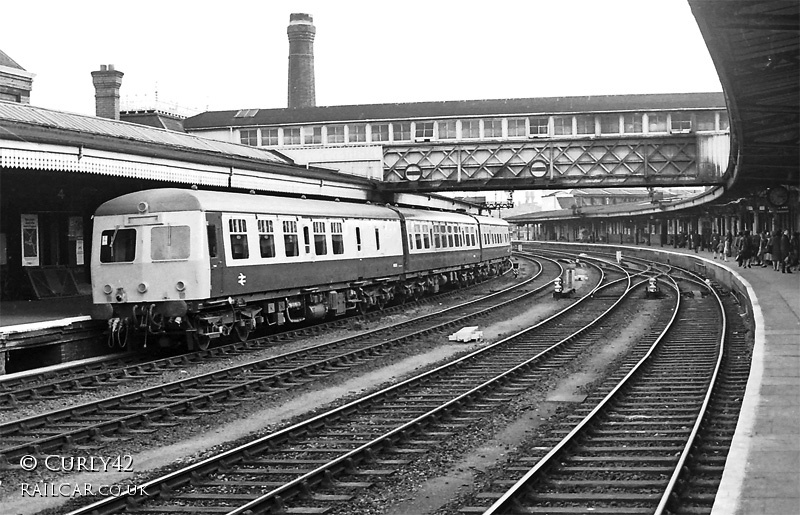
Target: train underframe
x=196 y=326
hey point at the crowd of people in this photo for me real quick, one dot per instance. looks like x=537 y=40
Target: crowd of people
x=777 y=249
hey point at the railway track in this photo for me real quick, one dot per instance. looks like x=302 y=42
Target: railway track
x=696 y=486
x=330 y=457
x=623 y=450
x=144 y=410
x=78 y=379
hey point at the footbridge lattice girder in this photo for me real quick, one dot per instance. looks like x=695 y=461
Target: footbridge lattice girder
x=676 y=160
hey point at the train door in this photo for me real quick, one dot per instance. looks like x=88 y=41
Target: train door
x=360 y=231
x=215 y=253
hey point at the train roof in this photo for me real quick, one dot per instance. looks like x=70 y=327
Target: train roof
x=488 y=220
x=434 y=216
x=176 y=199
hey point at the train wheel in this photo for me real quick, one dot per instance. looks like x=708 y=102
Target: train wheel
x=197 y=341
x=203 y=342
x=242 y=332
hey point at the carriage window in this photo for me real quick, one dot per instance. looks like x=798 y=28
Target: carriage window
x=290 y=242
x=437 y=238
x=377 y=239
x=358 y=239
x=118 y=246
x=238 y=230
x=266 y=238
x=170 y=242
x=337 y=239
x=320 y=243
x=212 y=240
x=418 y=235
x=426 y=236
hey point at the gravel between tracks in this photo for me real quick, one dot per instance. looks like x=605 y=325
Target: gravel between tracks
x=174 y=447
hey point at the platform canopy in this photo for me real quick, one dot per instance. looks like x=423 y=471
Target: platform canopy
x=755 y=46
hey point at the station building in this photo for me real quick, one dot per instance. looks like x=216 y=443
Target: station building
x=372 y=140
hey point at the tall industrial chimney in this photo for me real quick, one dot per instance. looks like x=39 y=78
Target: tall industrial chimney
x=107 y=82
x=301 y=33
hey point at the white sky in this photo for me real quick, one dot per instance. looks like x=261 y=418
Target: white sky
x=207 y=55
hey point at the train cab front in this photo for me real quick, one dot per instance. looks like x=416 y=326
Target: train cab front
x=146 y=273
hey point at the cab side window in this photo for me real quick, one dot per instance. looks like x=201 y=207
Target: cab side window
x=118 y=246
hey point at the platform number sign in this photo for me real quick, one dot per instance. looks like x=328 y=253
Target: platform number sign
x=413 y=172
x=539 y=168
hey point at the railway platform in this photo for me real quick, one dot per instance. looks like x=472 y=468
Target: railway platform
x=24 y=314
x=47 y=332
x=763 y=465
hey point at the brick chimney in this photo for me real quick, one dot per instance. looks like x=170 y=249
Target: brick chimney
x=301 y=33
x=107 y=82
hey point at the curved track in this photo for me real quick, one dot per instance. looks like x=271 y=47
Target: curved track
x=624 y=451
x=338 y=451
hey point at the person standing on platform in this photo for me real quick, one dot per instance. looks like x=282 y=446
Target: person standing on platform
x=715 y=244
x=728 y=246
x=776 y=250
x=794 y=245
x=757 y=246
x=786 y=253
x=745 y=250
x=736 y=251
x=766 y=249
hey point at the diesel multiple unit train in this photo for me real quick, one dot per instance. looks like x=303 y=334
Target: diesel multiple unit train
x=174 y=265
